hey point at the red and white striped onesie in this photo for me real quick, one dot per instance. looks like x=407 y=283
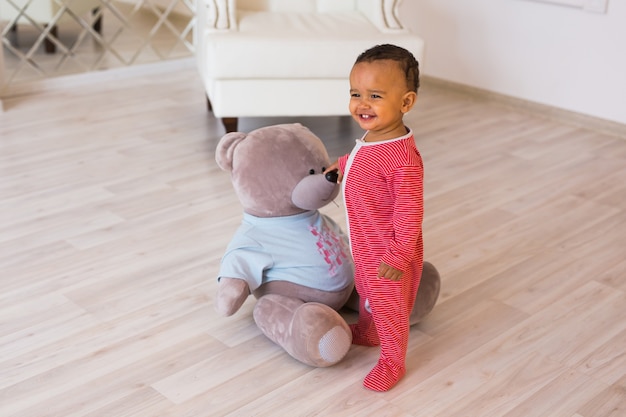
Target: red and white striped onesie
x=383 y=195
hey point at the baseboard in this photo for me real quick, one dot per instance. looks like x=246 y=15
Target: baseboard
x=565 y=116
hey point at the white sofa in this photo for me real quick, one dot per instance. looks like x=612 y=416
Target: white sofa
x=289 y=57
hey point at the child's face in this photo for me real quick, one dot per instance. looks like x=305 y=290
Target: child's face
x=379 y=97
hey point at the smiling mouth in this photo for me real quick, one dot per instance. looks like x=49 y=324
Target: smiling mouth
x=366 y=116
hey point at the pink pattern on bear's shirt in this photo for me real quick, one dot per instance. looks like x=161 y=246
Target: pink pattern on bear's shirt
x=331 y=246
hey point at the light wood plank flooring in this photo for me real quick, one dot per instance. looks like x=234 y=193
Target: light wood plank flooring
x=114 y=216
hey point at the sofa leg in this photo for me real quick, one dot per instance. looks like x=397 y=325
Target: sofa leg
x=49 y=45
x=230 y=124
x=97 y=24
x=13 y=30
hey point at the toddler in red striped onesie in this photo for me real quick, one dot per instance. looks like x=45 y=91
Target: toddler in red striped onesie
x=382 y=183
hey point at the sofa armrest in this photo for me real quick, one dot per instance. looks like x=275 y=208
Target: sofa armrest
x=382 y=13
x=217 y=14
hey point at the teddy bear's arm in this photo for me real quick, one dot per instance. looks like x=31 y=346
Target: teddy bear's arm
x=247 y=264
x=240 y=273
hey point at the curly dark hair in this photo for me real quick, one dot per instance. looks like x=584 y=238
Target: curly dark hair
x=407 y=61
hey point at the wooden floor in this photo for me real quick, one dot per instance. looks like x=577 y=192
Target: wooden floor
x=114 y=216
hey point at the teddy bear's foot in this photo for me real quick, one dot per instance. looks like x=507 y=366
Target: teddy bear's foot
x=427 y=294
x=312 y=333
x=231 y=294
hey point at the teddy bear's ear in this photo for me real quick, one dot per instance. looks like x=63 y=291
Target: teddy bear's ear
x=226 y=149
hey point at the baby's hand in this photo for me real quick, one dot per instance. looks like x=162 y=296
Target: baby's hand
x=329 y=173
x=386 y=271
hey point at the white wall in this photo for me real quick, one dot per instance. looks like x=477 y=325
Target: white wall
x=549 y=54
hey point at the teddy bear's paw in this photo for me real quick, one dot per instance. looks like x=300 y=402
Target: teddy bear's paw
x=334 y=345
x=231 y=294
x=427 y=294
x=320 y=336
x=312 y=333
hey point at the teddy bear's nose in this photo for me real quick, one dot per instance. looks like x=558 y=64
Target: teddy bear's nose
x=332 y=176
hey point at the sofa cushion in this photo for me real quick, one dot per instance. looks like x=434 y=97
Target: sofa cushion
x=296 y=45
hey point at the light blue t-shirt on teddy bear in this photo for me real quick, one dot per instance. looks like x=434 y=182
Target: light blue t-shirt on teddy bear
x=307 y=249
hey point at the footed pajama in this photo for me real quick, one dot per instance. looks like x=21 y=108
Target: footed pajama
x=383 y=193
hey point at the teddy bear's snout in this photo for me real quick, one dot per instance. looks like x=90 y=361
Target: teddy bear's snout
x=314 y=191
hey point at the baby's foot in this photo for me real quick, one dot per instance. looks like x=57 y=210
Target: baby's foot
x=384 y=376
x=367 y=337
x=361 y=339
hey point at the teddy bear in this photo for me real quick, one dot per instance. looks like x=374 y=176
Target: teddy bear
x=292 y=258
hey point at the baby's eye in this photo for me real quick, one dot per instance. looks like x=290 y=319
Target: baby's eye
x=355 y=95
x=375 y=96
